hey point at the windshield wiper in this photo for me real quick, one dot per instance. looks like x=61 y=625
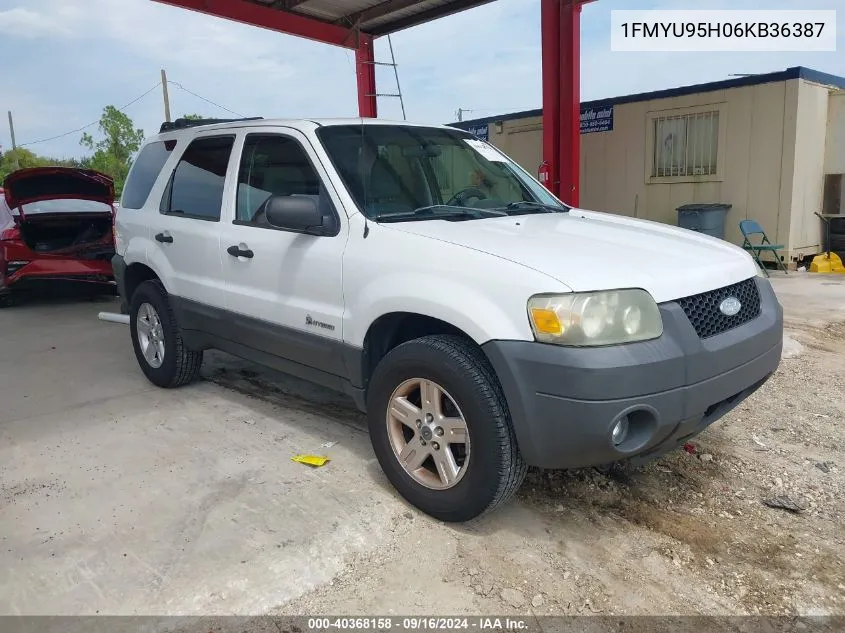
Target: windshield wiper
x=437 y=212
x=527 y=206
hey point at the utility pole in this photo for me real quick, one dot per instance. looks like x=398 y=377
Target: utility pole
x=166 y=97
x=460 y=113
x=12 y=134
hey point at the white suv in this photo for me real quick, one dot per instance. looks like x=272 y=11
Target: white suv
x=483 y=325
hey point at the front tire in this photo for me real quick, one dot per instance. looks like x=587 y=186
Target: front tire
x=441 y=430
x=157 y=341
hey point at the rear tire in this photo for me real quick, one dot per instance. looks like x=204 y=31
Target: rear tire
x=177 y=365
x=491 y=468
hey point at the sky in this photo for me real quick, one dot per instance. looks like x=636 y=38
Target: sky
x=65 y=60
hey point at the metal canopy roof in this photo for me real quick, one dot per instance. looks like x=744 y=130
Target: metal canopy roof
x=376 y=17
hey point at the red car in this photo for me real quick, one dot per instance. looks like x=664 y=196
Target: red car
x=56 y=229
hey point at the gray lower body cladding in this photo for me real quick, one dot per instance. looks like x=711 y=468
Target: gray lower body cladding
x=564 y=402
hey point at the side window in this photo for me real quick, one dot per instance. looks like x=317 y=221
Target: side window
x=144 y=173
x=195 y=189
x=272 y=165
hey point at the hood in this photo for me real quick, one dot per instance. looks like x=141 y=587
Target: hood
x=587 y=250
x=53 y=183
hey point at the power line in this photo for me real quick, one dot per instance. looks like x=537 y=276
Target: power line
x=134 y=101
x=178 y=85
x=85 y=127
x=501 y=109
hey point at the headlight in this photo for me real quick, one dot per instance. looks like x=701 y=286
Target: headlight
x=595 y=318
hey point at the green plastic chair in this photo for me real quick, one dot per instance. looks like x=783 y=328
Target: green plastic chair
x=751 y=227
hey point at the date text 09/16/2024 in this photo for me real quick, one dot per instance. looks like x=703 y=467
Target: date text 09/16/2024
x=417 y=623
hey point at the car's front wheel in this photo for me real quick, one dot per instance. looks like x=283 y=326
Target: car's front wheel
x=158 y=344
x=441 y=430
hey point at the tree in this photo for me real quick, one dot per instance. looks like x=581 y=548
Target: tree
x=22 y=158
x=19 y=158
x=112 y=154
x=193 y=117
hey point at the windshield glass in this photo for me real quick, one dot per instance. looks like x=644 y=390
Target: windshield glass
x=398 y=169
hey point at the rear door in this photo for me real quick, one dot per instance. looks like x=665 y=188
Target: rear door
x=285 y=289
x=132 y=227
x=186 y=231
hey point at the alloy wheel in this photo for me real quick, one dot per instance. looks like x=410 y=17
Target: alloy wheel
x=150 y=335
x=428 y=433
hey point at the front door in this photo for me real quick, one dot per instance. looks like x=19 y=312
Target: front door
x=285 y=289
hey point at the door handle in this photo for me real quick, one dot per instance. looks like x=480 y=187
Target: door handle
x=161 y=237
x=235 y=251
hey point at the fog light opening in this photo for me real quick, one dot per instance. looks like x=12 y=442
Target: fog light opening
x=620 y=431
x=633 y=428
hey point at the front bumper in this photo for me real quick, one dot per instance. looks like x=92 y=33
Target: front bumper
x=564 y=401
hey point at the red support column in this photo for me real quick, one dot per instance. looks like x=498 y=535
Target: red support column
x=550 y=25
x=570 y=100
x=366 y=70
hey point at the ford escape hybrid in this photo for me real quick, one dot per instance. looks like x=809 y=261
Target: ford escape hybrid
x=474 y=317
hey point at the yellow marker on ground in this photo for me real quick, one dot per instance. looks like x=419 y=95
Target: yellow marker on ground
x=311 y=460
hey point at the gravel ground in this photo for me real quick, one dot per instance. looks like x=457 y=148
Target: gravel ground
x=689 y=534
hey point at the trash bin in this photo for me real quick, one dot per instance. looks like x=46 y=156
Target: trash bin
x=705 y=218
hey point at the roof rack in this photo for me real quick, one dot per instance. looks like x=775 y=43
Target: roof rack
x=181 y=124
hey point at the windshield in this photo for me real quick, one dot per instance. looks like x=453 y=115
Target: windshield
x=395 y=170
x=66 y=205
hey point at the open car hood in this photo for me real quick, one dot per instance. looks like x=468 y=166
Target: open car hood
x=53 y=183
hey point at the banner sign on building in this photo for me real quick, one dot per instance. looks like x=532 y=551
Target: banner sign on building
x=596 y=119
x=481 y=131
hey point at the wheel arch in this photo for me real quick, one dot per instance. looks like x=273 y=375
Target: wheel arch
x=391 y=330
x=136 y=274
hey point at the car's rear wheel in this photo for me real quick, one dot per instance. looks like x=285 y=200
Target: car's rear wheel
x=441 y=430
x=158 y=344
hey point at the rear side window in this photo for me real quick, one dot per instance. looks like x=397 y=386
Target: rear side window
x=144 y=173
x=196 y=187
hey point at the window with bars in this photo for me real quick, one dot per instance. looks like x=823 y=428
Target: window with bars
x=686 y=145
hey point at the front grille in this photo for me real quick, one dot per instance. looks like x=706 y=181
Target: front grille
x=703 y=310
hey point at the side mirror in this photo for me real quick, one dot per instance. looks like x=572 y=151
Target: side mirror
x=299 y=214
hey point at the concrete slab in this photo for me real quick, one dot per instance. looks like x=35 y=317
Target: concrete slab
x=117 y=497
x=810 y=298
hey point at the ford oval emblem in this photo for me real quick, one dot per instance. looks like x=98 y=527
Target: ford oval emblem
x=730 y=306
